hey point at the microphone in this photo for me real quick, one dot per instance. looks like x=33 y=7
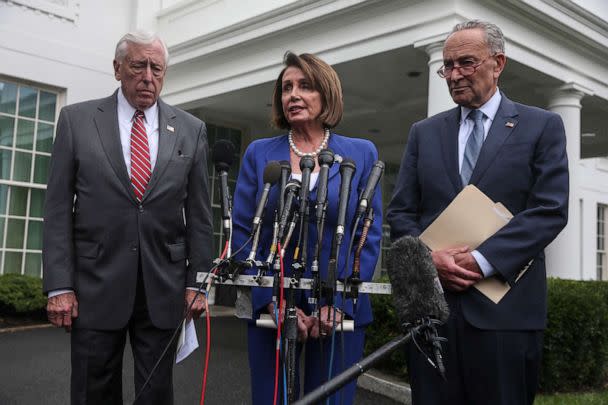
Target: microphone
x=326 y=159
x=347 y=170
x=307 y=165
x=285 y=173
x=272 y=172
x=292 y=189
x=417 y=291
x=370 y=187
x=223 y=156
x=416 y=295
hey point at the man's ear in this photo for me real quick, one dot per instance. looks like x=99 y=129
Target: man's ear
x=501 y=61
x=116 y=69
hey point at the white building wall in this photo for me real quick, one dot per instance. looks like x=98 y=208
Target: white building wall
x=65 y=47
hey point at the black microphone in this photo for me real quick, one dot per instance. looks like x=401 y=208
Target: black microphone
x=347 y=170
x=272 y=172
x=326 y=159
x=307 y=165
x=223 y=156
x=291 y=189
x=370 y=187
x=285 y=173
x=417 y=291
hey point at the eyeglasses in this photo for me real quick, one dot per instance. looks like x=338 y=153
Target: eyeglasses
x=466 y=68
x=139 y=67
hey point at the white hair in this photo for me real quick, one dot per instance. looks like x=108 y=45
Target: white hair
x=138 y=37
x=494 y=37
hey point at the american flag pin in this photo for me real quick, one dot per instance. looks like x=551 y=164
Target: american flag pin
x=509 y=124
x=170 y=128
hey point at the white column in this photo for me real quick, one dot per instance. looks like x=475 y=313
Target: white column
x=439 y=98
x=564 y=258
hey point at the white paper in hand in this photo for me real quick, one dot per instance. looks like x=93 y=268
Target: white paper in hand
x=187 y=342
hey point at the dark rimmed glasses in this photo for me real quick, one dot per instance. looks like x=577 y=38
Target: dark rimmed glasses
x=466 y=68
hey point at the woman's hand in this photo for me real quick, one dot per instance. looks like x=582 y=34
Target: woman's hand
x=323 y=326
x=304 y=322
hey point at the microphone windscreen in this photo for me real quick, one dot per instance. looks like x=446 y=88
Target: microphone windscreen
x=347 y=164
x=272 y=172
x=285 y=165
x=326 y=157
x=223 y=154
x=307 y=162
x=417 y=292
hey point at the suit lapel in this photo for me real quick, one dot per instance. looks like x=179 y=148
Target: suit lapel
x=106 y=121
x=166 y=143
x=502 y=127
x=449 y=147
x=335 y=144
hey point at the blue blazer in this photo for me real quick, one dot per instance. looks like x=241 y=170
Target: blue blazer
x=523 y=165
x=249 y=187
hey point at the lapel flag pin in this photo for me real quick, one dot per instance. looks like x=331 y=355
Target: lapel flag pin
x=170 y=128
x=509 y=124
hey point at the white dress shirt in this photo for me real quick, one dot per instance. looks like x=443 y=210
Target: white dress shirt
x=126 y=113
x=490 y=108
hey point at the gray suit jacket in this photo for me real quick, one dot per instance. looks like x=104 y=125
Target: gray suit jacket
x=95 y=231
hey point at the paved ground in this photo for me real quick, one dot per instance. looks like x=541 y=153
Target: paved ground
x=34 y=369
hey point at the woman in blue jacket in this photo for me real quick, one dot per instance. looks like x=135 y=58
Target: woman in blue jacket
x=307 y=102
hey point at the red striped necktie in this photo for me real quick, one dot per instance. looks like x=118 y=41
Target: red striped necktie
x=140 y=156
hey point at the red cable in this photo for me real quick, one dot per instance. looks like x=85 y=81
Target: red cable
x=279 y=324
x=208 y=345
x=208 y=350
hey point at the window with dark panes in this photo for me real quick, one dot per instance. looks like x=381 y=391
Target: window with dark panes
x=27 y=124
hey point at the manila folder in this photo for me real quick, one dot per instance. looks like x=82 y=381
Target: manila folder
x=469 y=220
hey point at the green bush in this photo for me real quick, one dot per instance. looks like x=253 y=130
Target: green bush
x=384 y=328
x=21 y=294
x=575 y=355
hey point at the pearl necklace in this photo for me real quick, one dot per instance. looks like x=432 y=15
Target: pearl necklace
x=313 y=154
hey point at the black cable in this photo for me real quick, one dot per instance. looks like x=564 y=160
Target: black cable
x=198 y=292
x=175 y=332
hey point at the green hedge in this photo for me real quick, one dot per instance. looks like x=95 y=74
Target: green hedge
x=21 y=294
x=385 y=328
x=575 y=354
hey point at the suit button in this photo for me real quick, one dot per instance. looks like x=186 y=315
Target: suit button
x=133 y=248
x=141 y=208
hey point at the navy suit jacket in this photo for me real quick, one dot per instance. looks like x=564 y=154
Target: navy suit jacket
x=248 y=190
x=523 y=165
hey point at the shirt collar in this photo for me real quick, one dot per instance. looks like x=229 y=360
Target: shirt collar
x=127 y=110
x=490 y=108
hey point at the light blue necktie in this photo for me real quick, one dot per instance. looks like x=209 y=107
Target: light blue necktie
x=471 y=151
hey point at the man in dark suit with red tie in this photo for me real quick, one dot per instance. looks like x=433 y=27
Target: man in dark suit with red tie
x=516 y=155
x=127 y=227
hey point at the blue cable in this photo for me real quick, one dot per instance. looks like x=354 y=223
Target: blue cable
x=276 y=320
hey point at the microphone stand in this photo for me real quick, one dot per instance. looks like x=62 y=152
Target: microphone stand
x=298 y=267
x=425 y=328
x=354 y=371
